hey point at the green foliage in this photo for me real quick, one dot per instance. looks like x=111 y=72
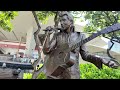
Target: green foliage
x=29 y=76
x=98 y=20
x=89 y=71
x=101 y=19
x=5 y=19
x=44 y=15
x=41 y=76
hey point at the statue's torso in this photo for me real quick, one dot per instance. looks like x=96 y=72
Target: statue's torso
x=70 y=39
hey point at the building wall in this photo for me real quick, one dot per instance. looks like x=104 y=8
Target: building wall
x=12 y=51
x=116 y=46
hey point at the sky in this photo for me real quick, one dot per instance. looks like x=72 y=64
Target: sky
x=80 y=23
x=77 y=21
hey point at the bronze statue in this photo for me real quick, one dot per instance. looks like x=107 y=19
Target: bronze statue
x=60 y=65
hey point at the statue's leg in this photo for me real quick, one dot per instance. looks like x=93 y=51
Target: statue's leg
x=72 y=72
x=52 y=77
x=48 y=77
x=65 y=74
x=75 y=72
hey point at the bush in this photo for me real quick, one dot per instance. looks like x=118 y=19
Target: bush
x=41 y=76
x=89 y=71
x=29 y=76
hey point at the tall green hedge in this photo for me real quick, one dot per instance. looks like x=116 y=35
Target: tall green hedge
x=89 y=71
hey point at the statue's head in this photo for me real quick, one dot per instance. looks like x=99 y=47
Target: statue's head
x=66 y=19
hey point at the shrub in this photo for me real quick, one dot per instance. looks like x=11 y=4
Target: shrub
x=29 y=76
x=41 y=76
x=89 y=71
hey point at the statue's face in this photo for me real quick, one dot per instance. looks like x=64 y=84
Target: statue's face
x=65 y=22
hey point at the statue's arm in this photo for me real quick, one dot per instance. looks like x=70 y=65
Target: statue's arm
x=49 y=45
x=95 y=59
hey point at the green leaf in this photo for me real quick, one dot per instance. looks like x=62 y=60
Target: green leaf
x=5 y=19
x=100 y=19
x=90 y=71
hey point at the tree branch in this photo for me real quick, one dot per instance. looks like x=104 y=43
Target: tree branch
x=56 y=20
x=37 y=40
x=36 y=73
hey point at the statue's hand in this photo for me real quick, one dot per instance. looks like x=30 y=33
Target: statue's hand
x=111 y=63
x=49 y=30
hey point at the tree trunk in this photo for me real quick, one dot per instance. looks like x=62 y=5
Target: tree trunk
x=37 y=40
